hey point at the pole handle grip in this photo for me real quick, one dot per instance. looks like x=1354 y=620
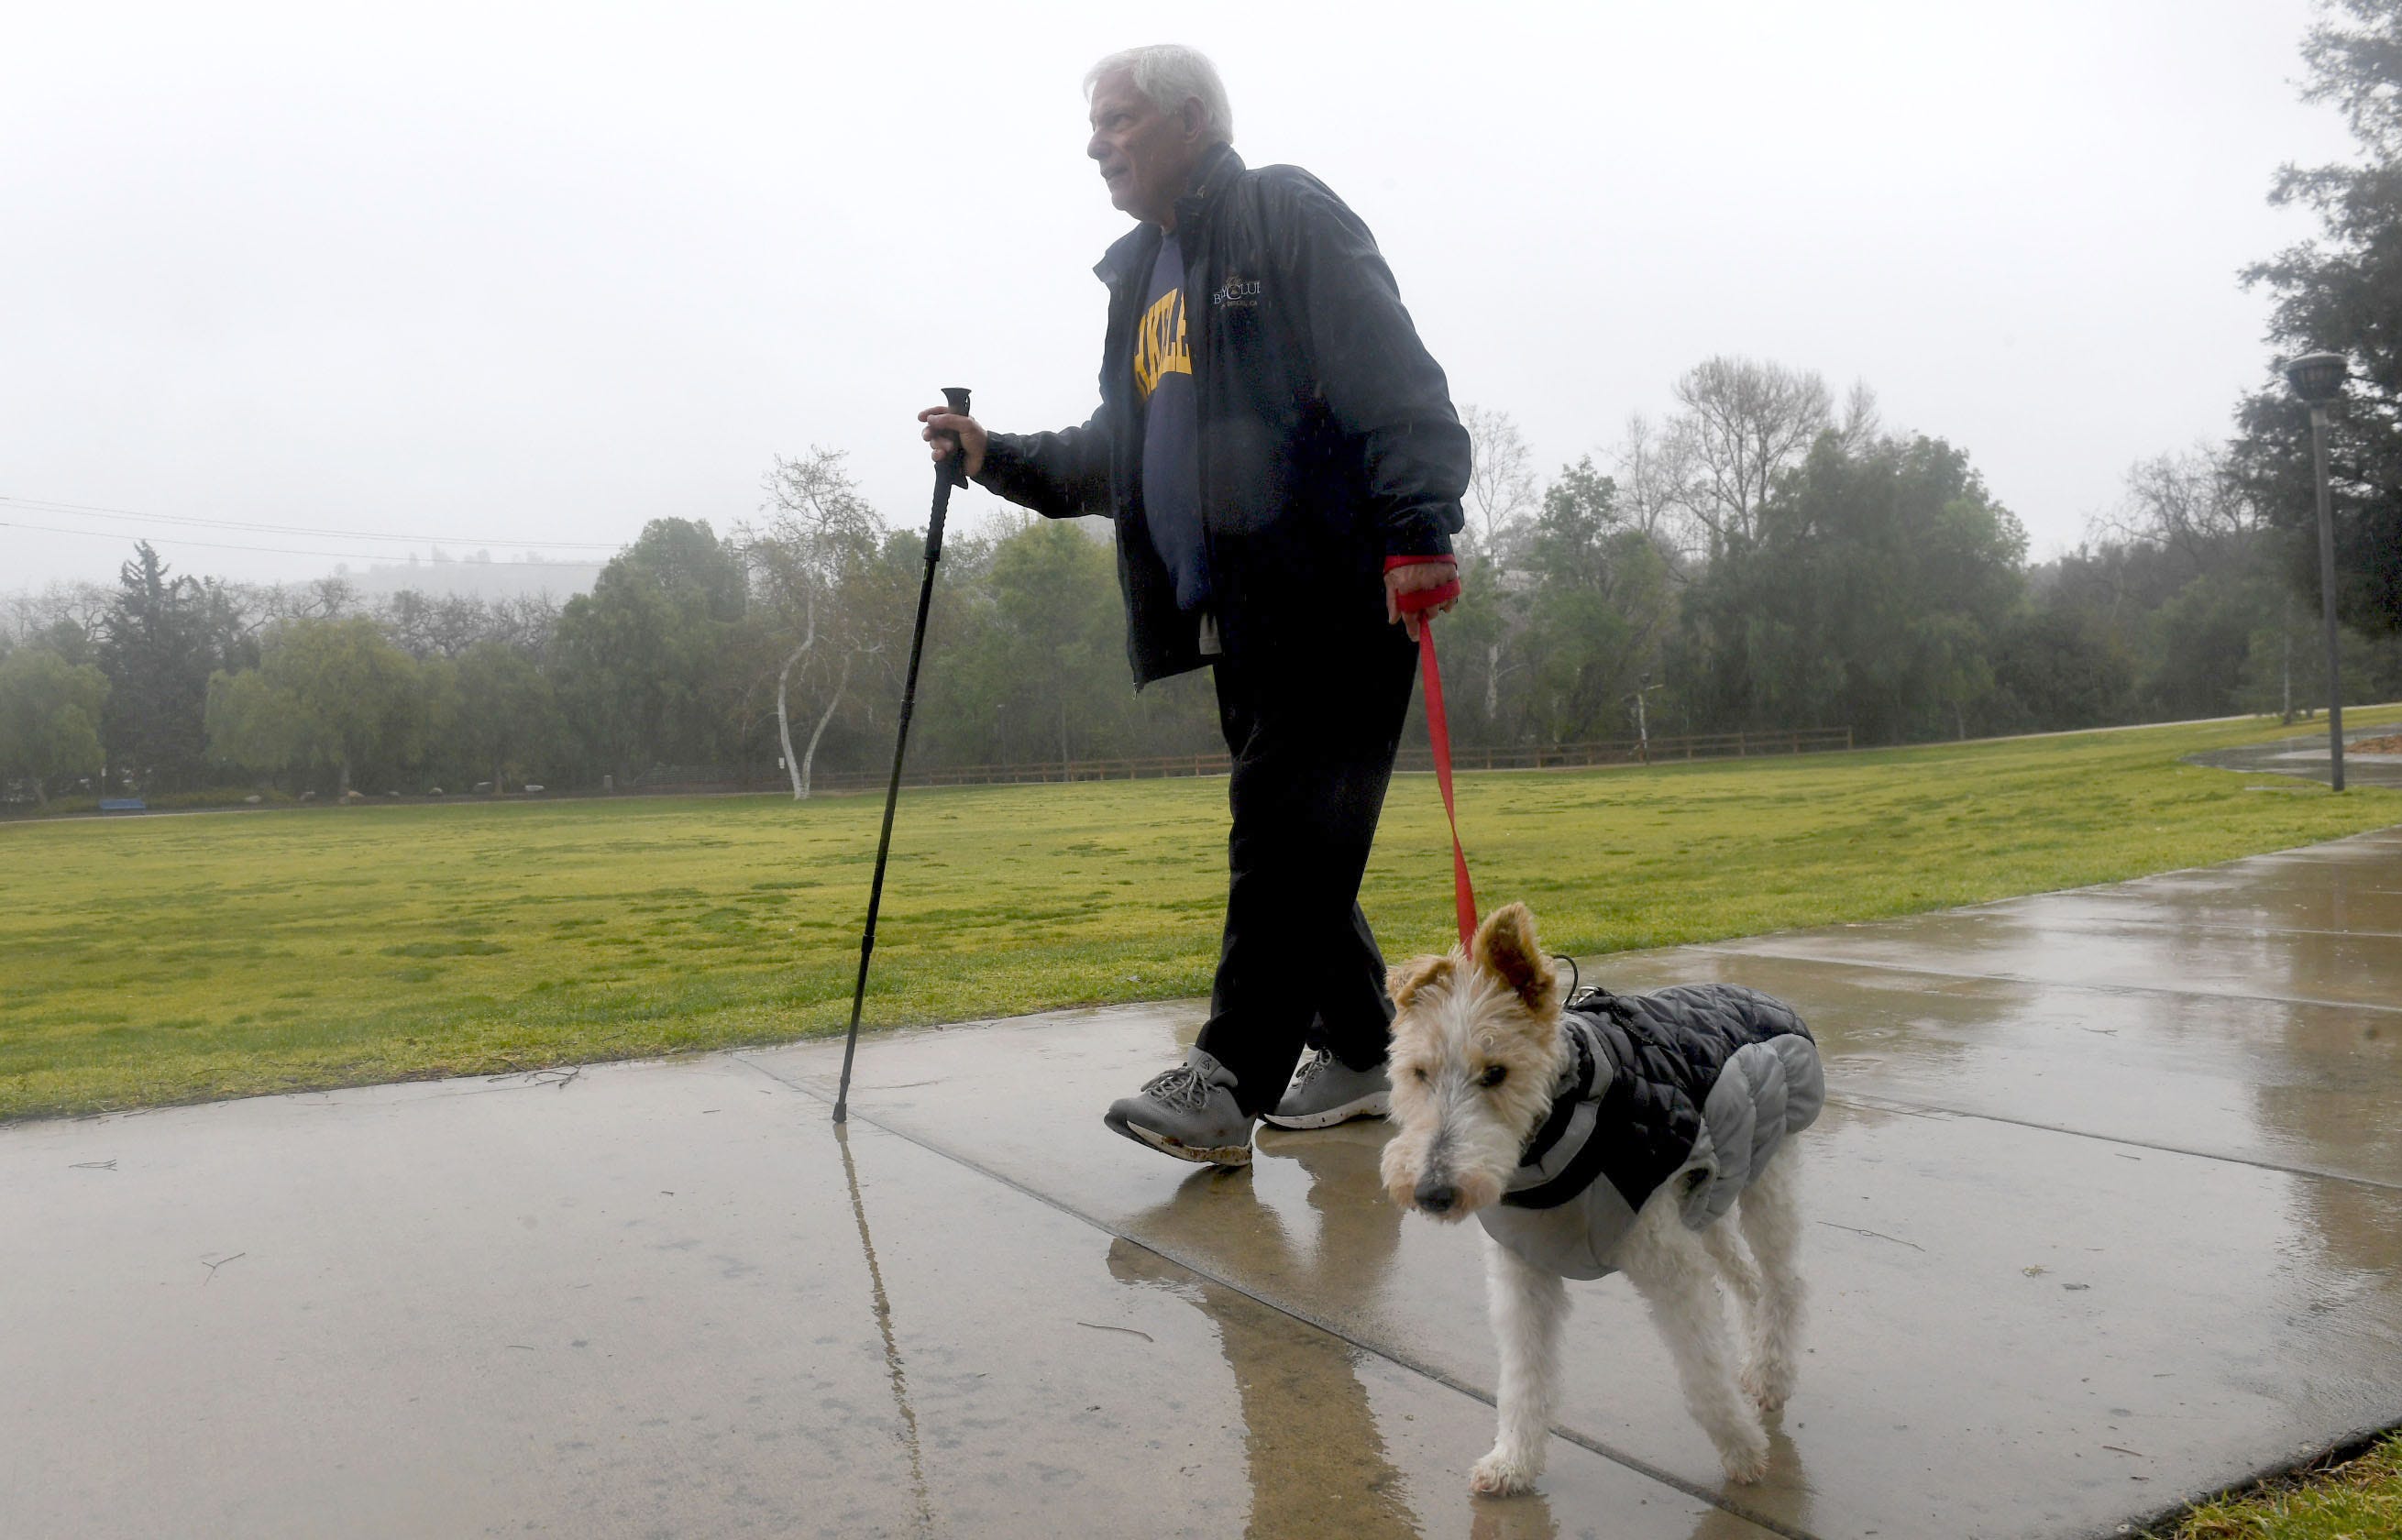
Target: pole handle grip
x=956 y=397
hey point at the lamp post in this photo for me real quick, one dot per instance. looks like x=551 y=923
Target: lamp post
x=2318 y=379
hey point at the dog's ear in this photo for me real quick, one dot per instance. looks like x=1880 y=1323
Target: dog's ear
x=1404 y=980
x=1506 y=945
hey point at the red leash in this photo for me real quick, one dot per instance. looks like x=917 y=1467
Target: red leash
x=1439 y=735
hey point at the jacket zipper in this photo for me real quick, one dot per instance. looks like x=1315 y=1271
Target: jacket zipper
x=1196 y=339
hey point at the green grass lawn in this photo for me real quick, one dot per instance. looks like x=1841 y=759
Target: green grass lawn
x=2358 y=1499
x=168 y=959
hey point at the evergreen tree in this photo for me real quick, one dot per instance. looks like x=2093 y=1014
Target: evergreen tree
x=160 y=639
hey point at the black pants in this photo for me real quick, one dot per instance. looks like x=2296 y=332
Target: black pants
x=1298 y=965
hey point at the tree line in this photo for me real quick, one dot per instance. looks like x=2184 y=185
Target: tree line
x=1767 y=556
x=694 y=659
x=1764 y=564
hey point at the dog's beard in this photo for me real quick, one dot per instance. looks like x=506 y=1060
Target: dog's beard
x=1473 y=1182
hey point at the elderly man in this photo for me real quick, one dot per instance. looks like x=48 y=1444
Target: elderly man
x=1282 y=462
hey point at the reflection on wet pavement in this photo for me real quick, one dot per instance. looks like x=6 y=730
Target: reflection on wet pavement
x=1314 y=1441
x=920 y=1508
x=1315 y=1456
x=1317 y=1460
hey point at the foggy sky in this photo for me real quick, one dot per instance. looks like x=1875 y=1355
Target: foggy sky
x=498 y=274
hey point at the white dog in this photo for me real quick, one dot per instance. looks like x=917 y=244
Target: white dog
x=1617 y=1132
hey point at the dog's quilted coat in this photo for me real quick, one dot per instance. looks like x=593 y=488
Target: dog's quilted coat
x=1697 y=1084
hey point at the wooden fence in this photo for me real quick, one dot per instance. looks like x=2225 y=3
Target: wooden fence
x=1659 y=750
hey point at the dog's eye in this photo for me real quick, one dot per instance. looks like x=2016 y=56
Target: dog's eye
x=1493 y=1075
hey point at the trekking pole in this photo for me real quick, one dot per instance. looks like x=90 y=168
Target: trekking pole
x=948 y=474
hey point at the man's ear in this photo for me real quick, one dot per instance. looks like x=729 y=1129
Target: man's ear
x=1404 y=980
x=1507 y=946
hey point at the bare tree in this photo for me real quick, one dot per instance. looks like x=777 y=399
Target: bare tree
x=433 y=625
x=1501 y=486
x=1747 y=423
x=820 y=534
x=317 y=598
x=2190 y=505
x=30 y=614
x=1653 y=467
x=1862 y=425
x=524 y=620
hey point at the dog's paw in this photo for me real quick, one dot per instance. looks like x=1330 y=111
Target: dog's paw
x=1501 y=1474
x=1769 y=1385
x=1746 y=1462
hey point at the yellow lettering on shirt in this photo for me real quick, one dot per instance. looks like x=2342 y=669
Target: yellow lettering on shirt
x=1159 y=345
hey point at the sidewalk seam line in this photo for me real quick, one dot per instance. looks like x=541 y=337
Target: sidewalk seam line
x=1896 y=1103
x=1720 y=949
x=1440 y=1377
x=2255 y=930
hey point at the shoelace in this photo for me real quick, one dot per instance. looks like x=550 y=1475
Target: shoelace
x=1180 y=1087
x=1313 y=1068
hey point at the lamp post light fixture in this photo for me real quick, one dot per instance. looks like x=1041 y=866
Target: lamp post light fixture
x=2318 y=379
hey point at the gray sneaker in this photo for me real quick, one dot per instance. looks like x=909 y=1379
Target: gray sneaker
x=1188 y=1112
x=1327 y=1091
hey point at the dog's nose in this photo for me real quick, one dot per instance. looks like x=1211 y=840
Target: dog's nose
x=1437 y=1198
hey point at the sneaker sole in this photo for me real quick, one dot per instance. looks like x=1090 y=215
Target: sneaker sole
x=1197 y=1154
x=1377 y=1105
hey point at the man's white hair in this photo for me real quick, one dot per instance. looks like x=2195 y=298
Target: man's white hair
x=1170 y=75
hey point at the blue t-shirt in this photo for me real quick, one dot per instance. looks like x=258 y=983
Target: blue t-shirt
x=1171 y=439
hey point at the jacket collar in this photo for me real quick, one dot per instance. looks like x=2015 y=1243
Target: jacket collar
x=1135 y=251
x=1573 y=1085
x=1219 y=166
x=1562 y=1157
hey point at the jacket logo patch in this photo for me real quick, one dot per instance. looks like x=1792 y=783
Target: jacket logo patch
x=1237 y=293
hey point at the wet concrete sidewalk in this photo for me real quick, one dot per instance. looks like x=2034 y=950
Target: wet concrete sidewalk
x=2308 y=759
x=2107 y=1210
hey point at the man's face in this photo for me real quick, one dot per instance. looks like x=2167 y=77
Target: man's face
x=1146 y=155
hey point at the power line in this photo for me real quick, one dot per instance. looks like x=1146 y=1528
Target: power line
x=272 y=550
x=45 y=505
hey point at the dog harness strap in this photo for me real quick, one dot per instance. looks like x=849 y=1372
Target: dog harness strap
x=1439 y=736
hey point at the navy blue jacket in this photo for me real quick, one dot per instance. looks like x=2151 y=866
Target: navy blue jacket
x=1327 y=438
